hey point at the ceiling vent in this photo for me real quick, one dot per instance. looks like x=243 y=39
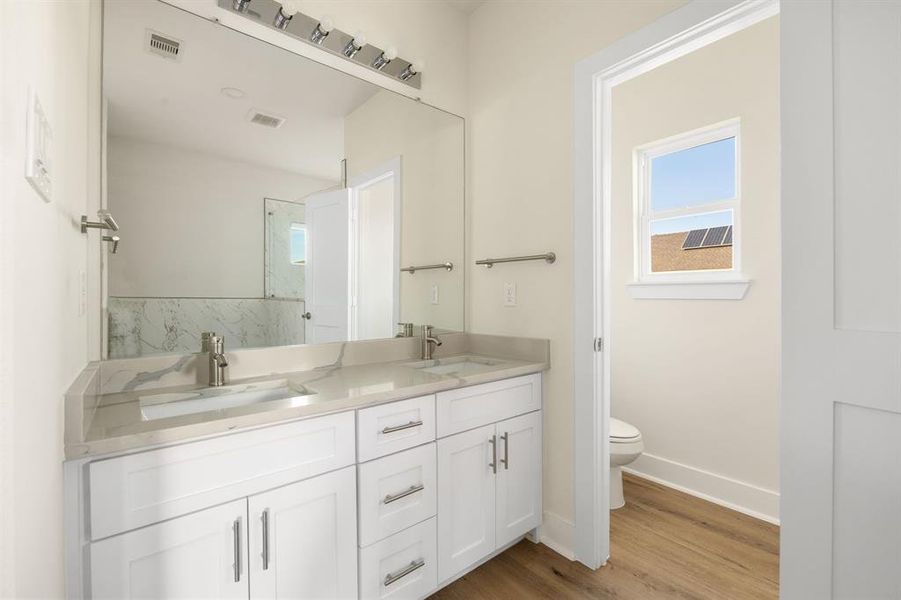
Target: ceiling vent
x=265 y=119
x=162 y=45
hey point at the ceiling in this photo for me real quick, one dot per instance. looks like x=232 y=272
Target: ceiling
x=160 y=100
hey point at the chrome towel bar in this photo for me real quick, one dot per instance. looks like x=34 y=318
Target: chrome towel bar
x=548 y=257
x=448 y=266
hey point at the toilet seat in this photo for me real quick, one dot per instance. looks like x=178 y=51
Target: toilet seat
x=622 y=432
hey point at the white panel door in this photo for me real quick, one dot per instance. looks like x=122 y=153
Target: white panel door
x=328 y=267
x=303 y=539
x=841 y=215
x=518 y=477
x=466 y=490
x=201 y=555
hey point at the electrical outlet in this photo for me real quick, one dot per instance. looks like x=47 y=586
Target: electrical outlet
x=509 y=294
x=434 y=294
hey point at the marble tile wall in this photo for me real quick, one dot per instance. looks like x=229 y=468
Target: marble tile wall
x=147 y=326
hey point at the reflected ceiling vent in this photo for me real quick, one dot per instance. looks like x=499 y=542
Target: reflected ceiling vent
x=162 y=45
x=265 y=119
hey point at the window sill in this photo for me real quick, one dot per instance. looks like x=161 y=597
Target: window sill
x=724 y=289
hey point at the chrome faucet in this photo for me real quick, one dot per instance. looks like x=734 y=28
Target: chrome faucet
x=427 y=341
x=215 y=346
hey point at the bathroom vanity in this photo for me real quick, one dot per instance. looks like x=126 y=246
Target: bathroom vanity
x=373 y=480
x=284 y=225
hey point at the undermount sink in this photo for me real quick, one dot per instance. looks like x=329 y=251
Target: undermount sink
x=455 y=365
x=173 y=404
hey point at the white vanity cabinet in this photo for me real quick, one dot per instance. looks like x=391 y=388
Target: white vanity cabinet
x=489 y=478
x=389 y=501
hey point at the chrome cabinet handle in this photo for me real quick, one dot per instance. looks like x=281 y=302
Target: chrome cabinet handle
x=413 y=489
x=493 y=463
x=506 y=459
x=402 y=427
x=237 y=531
x=265 y=519
x=392 y=577
x=306 y=316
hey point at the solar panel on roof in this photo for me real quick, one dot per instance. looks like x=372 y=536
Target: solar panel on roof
x=727 y=241
x=694 y=239
x=714 y=236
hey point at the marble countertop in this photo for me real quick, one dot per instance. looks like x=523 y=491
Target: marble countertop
x=118 y=425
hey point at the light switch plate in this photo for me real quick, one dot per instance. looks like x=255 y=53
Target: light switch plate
x=38 y=138
x=434 y=294
x=509 y=294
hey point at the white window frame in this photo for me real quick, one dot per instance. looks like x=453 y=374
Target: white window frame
x=644 y=214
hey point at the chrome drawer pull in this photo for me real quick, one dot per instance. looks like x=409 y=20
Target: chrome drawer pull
x=409 y=425
x=413 y=489
x=506 y=459
x=265 y=518
x=493 y=463
x=237 y=531
x=392 y=577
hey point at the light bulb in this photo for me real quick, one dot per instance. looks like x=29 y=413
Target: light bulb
x=326 y=24
x=390 y=53
x=418 y=66
x=290 y=7
x=359 y=39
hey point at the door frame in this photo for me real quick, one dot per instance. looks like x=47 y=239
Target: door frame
x=391 y=168
x=695 y=25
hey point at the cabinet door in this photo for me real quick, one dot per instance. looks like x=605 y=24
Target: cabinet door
x=518 y=477
x=466 y=484
x=303 y=539
x=201 y=555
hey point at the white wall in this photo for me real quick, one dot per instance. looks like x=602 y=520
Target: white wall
x=191 y=224
x=520 y=166
x=43 y=324
x=430 y=145
x=699 y=378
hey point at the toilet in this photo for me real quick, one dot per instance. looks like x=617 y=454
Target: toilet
x=625 y=446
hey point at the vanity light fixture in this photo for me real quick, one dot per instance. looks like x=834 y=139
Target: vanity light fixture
x=289 y=18
x=323 y=28
x=417 y=66
x=355 y=44
x=286 y=11
x=384 y=59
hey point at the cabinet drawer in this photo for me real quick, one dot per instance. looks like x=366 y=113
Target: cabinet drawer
x=395 y=426
x=397 y=491
x=147 y=487
x=401 y=566
x=478 y=405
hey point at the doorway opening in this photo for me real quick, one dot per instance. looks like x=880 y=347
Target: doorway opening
x=677 y=266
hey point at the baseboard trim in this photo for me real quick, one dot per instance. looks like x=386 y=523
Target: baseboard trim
x=746 y=498
x=557 y=534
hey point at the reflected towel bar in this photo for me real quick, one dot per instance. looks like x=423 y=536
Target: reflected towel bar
x=548 y=257
x=448 y=266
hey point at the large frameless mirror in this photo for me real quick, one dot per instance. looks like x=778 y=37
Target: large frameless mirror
x=223 y=170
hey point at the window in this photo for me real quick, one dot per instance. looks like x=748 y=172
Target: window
x=298 y=244
x=687 y=207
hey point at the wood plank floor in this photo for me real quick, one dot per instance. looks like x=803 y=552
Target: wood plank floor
x=665 y=544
